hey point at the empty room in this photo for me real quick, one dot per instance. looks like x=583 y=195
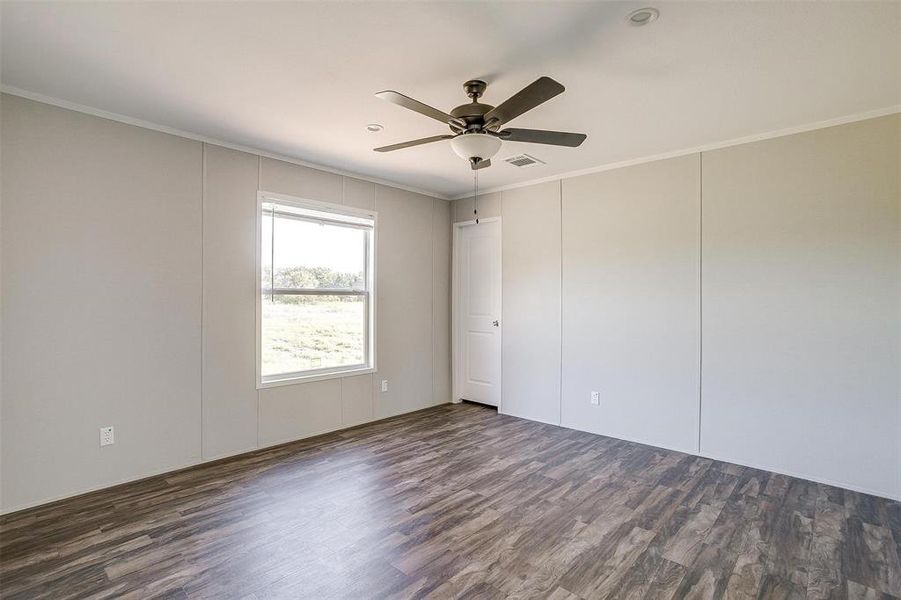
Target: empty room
x=363 y=300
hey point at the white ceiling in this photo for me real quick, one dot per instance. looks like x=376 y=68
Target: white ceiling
x=298 y=78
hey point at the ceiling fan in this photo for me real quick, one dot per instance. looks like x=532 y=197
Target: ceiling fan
x=476 y=127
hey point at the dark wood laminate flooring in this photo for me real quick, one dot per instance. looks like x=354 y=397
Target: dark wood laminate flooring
x=458 y=501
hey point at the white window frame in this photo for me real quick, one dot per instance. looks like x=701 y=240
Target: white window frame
x=338 y=210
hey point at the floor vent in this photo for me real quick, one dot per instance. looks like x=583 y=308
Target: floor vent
x=523 y=160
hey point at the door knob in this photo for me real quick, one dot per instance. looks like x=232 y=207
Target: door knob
x=495 y=323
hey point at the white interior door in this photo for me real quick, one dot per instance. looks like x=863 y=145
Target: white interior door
x=477 y=260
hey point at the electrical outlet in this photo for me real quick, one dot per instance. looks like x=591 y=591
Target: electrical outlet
x=595 y=398
x=384 y=385
x=106 y=436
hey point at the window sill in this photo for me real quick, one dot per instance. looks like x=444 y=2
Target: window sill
x=315 y=377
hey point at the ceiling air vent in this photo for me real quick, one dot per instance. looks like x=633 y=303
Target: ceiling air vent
x=523 y=160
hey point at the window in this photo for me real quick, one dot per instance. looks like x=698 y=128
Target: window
x=315 y=274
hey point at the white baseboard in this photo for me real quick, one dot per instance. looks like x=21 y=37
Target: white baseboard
x=727 y=459
x=152 y=473
x=191 y=463
x=790 y=473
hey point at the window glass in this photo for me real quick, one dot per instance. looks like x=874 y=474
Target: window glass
x=316 y=255
x=315 y=285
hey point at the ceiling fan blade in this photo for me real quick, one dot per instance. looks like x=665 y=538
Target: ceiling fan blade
x=482 y=164
x=540 y=136
x=417 y=106
x=539 y=91
x=411 y=143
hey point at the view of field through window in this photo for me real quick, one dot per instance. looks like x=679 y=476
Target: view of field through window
x=304 y=331
x=315 y=332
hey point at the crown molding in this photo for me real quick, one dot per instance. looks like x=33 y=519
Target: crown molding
x=96 y=112
x=45 y=99
x=872 y=114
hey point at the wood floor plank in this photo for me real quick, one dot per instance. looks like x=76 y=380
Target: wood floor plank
x=458 y=502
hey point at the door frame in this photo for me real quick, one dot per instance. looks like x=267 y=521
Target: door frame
x=456 y=363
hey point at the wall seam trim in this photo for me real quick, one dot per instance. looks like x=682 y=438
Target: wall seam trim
x=700 y=294
x=203 y=173
x=432 y=298
x=341 y=379
x=560 y=396
x=255 y=284
x=372 y=380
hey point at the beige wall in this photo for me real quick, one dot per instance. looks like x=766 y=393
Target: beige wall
x=128 y=300
x=97 y=217
x=229 y=273
x=631 y=266
x=531 y=301
x=801 y=304
x=742 y=304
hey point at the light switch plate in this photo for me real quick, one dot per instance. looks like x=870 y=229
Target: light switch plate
x=596 y=398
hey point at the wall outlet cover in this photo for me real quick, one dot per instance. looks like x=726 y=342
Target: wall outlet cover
x=384 y=385
x=595 y=398
x=107 y=436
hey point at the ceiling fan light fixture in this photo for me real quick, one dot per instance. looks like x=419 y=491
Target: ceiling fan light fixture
x=475 y=145
x=475 y=127
x=643 y=16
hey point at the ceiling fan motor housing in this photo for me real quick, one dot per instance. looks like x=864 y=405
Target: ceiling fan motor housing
x=473 y=114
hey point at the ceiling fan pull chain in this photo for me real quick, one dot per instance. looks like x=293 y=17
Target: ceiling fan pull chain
x=475 y=195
